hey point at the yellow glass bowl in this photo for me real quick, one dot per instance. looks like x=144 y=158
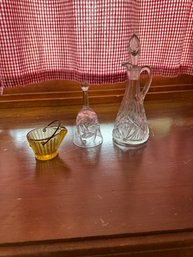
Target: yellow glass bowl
x=46 y=141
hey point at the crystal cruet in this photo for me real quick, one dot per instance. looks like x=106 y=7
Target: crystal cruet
x=131 y=127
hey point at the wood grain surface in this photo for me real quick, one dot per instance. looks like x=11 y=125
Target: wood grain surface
x=107 y=200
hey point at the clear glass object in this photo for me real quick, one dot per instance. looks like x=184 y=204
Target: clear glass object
x=87 y=131
x=131 y=127
x=46 y=141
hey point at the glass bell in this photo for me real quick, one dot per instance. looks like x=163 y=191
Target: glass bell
x=87 y=130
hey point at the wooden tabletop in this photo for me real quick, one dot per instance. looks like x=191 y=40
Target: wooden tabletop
x=98 y=194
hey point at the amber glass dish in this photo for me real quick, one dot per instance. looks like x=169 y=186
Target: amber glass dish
x=46 y=141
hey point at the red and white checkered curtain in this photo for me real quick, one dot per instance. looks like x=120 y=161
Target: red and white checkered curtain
x=86 y=40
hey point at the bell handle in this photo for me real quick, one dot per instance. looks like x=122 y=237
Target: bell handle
x=148 y=81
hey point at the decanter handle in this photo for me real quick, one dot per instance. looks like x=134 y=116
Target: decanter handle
x=148 y=82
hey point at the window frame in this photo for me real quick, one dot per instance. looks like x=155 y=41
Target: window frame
x=60 y=92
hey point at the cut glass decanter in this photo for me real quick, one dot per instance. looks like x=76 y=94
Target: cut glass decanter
x=131 y=127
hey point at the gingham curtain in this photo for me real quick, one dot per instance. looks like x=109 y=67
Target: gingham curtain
x=86 y=40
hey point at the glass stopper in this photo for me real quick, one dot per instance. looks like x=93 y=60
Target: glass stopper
x=134 y=49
